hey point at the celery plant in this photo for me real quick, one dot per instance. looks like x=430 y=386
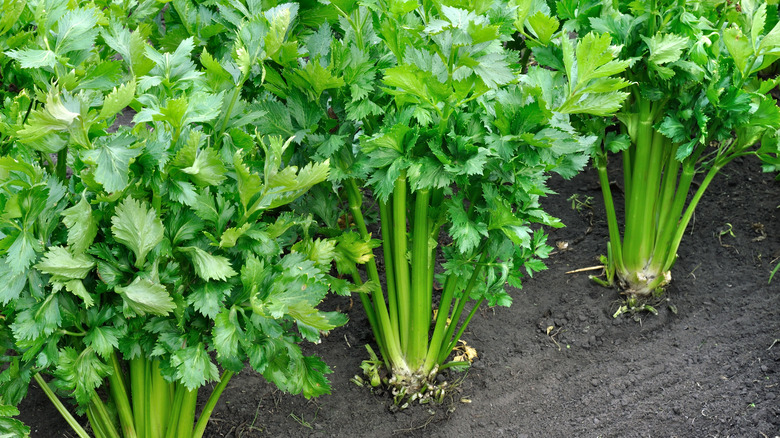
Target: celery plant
x=422 y=109
x=695 y=105
x=139 y=252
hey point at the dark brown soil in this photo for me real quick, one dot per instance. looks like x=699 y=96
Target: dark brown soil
x=710 y=370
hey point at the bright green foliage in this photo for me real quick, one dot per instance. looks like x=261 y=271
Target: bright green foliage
x=9 y=426
x=137 y=227
x=129 y=255
x=424 y=105
x=144 y=296
x=695 y=104
x=81 y=224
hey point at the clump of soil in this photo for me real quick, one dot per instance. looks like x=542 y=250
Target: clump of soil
x=556 y=363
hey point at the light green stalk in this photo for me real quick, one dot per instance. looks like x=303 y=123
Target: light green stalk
x=97 y=428
x=437 y=338
x=140 y=396
x=686 y=218
x=651 y=203
x=208 y=408
x=401 y=266
x=668 y=189
x=460 y=304
x=454 y=341
x=119 y=394
x=161 y=397
x=386 y=337
x=636 y=244
x=420 y=302
x=612 y=224
x=386 y=223
x=670 y=220
x=60 y=407
x=102 y=418
x=176 y=412
x=187 y=413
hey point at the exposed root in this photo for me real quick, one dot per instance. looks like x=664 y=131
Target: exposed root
x=589 y=268
x=635 y=306
x=408 y=386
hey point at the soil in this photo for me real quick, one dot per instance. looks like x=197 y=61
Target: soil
x=712 y=369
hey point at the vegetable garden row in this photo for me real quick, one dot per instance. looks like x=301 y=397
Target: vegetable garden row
x=276 y=149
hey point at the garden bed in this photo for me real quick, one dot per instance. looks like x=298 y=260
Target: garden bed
x=711 y=369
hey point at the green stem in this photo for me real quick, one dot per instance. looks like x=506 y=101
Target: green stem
x=102 y=417
x=386 y=222
x=62 y=165
x=49 y=163
x=376 y=328
x=160 y=396
x=524 y=59
x=70 y=333
x=420 y=296
x=635 y=241
x=400 y=263
x=187 y=413
x=203 y=421
x=353 y=196
x=148 y=412
x=156 y=200
x=231 y=105
x=454 y=342
x=649 y=209
x=358 y=31
x=629 y=127
x=383 y=329
x=651 y=20
x=680 y=229
x=666 y=200
x=459 y=306
x=173 y=424
x=627 y=188
x=612 y=223
x=435 y=224
x=119 y=394
x=668 y=228
x=355 y=28
x=746 y=74
x=97 y=426
x=437 y=338
x=60 y=407
x=140 y=398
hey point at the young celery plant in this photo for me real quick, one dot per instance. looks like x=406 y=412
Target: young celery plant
x=424 y=106
x=695 y=105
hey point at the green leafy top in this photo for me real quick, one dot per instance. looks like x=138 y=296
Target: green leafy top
x=697 y=64
x=164 y=238
x=431 y=93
